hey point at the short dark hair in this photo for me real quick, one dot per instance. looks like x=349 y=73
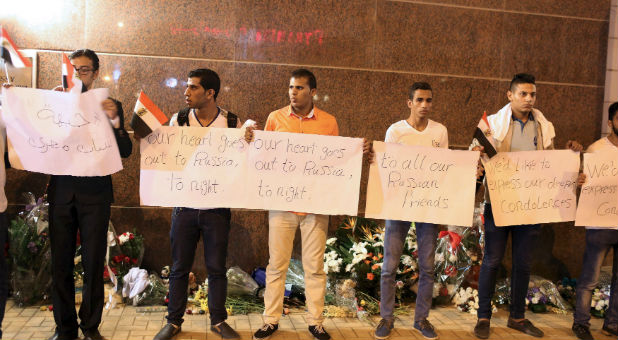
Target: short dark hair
x=612 y=110
x=522 y=78
x=420 y=85
x=209 y=79
x=304 y=73
x=84 y=52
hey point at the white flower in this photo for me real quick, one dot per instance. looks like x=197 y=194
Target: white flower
x=407 y=260
x=535 y=300
x=598 y=307
x=452 y=258
x=439 y=257
x=125 y=237
x=331 y=241
x=378 y=244
x=349 y=267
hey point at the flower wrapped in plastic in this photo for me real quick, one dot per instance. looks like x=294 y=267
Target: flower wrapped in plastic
x=154 y=294
x=600 y=301
x=30 y=254
x=451 y=263
x=240 y=283
x=544 y=295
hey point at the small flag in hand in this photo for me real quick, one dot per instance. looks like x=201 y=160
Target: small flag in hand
x=9 y=52
x=483 y=135
x=147 y=117
x=69 y=80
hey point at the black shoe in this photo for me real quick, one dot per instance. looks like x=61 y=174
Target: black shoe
x=167 y=332
x=383 y=331
x=525 y=326
x=610 y=330
x=224 y=330
x=92 y=334
x=582 y=332
x=57 y=336
x=266 y=331
x=481 y=330
x=319 y=333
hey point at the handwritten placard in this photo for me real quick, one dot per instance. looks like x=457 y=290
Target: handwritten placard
x=598 y=200
x=304 y=173
x=193 y=167
x=59 y=133
x=422 y=184
x=530 y=187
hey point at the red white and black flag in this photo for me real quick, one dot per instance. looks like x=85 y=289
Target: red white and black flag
x=483 y=136
x=147 y=117
x=9 y=52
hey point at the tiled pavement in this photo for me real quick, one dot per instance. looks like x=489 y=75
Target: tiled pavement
x=126 y=323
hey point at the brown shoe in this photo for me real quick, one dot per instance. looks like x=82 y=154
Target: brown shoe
x=525 y=326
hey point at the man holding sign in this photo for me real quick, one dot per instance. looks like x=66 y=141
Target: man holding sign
x=518 y=126
x=82 y=203
x=418 y=130
x=599 y=241
x=301 y=116
x=188 y=224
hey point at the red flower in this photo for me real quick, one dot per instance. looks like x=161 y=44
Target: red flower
x=367 y=261
x=117 y=259
x=375 y=258
x=443 y=291
x=375 y=266
x=450 y=270
x=131 y=236
x=415 y=253
x=134 y=261
x=370 y=276
x=126 y=259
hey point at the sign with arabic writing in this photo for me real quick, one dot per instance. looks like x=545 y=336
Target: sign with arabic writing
x=59 y=133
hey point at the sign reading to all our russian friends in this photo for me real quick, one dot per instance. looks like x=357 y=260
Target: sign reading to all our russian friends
x=59 y=133
x=193 y=167
x=598 y=199
x=530 y=187
x=422 y=184
x=304 y=173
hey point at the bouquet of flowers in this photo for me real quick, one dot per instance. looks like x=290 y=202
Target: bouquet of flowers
x=358 y=250
x=566 y=288
x=600 y=301
x=30 y=253
x=125 y=253
x=451 y=263
x=467 y=300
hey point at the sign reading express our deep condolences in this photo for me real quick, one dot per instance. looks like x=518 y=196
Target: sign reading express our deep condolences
x=193 y=167
x=59 y=133
x=304 y=173
x=598 y=200
x=532 y=187
x=422 y=184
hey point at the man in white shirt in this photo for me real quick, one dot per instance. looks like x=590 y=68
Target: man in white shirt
x=599 y=241
x=418 y=130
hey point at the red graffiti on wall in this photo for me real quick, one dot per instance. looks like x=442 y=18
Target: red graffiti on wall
x=243 y=34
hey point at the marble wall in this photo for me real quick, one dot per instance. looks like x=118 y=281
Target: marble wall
x=364 y=53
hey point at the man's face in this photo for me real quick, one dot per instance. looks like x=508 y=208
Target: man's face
x=195 y=95
x=522 y=98
x=300 y=94
x=84 y=70
x=420 y=104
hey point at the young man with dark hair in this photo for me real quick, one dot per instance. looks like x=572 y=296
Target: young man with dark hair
x=301 y=116
x=418 y=130
x=82 y=203
x=599 y=241
x=188 y=224
x=518 y=126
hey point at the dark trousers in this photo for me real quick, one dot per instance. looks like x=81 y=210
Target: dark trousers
x=523 y=240
x=4 y=270
x=92 y=222
x=214 y=227
x=598 y=244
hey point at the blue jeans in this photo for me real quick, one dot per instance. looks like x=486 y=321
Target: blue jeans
x=523 y=240
x=394 y=238
x=187 y=226
x=598 y=244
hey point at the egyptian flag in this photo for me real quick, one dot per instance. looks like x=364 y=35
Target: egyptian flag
x=483 y=135
x=9 y=51
x=147 y=117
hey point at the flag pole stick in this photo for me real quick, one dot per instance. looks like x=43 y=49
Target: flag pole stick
x=6 y=71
